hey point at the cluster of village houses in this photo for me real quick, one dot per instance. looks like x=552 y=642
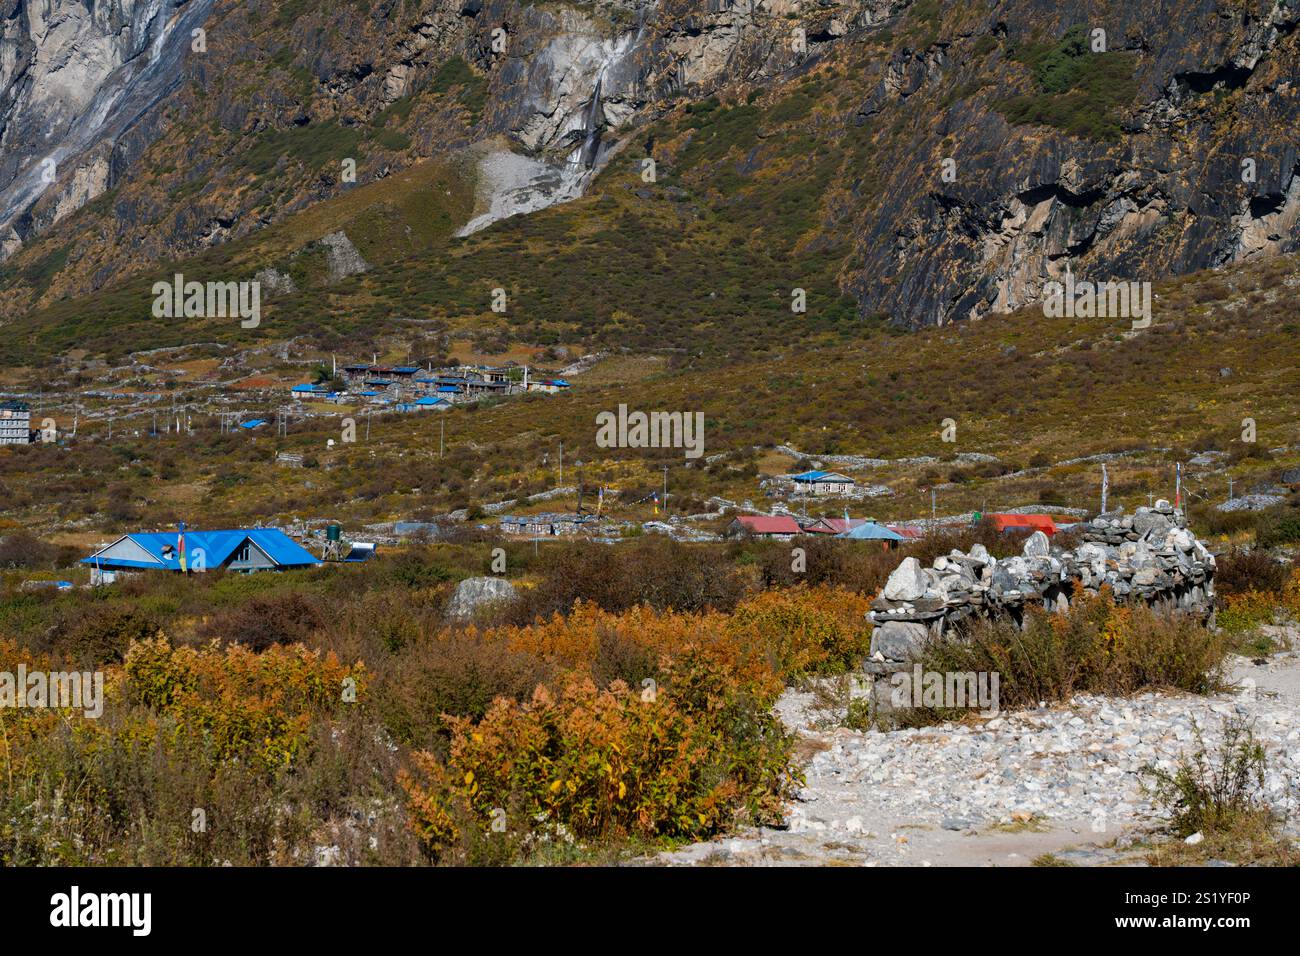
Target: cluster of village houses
x=410 y=388
x=783 y=527
x=270 y=549
x=257 y=549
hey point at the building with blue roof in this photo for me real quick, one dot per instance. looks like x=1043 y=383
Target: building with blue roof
x=253 y=423
x=240 y=549
x=872 y=531
x=822 y=483
x=426 y=402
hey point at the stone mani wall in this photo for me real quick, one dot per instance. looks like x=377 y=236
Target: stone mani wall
x=1149 y=555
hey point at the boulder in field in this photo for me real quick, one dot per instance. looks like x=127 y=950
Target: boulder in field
x=473 y=594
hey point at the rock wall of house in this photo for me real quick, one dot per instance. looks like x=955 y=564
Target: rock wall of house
x=1149 y=555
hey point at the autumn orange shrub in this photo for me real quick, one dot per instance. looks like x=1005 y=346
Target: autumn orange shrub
x=253 y=741
x=684 y=760
x=256 y=705
x=683 y=753
x=1247 y=610
x=806 y=630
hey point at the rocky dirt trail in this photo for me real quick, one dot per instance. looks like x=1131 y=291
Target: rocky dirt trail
x=1060 y=780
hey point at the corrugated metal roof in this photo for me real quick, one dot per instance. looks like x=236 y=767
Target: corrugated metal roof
x=822 y=476
x=770 y=524
x=217 y=548
x=870 y=531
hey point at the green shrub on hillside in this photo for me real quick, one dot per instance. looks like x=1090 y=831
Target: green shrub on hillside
x=1078 y=91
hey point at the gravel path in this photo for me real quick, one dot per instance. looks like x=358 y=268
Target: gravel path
x=1060 y=779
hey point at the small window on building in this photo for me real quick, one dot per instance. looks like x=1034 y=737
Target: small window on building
x=244 y=554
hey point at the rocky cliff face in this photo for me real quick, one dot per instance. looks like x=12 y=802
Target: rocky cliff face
x=986 y=156
x=76 y=78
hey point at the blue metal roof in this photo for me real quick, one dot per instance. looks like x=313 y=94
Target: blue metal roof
x=821 y=476
x=217 y=548
x=304 y=388
x=252 y=423
x=407 y=369
x=430 y=400
x=870 y=531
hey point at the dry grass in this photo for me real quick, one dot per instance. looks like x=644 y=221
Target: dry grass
x=1253 y=839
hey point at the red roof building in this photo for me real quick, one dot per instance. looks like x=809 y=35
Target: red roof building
x=910 y=532
x=1008 y=522
x=765 y=525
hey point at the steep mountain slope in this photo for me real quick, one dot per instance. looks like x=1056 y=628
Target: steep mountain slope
x=917 y=161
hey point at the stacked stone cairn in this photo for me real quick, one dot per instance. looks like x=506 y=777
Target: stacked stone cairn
x=1149 y=556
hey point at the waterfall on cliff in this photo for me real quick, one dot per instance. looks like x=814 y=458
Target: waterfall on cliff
x=511 y=184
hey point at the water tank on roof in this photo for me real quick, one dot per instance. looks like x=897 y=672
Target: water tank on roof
x=333 y=532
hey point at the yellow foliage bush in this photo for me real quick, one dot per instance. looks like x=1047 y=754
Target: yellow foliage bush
x=684 y=761
x=681 y=759
x=806 y=630
x=1248 y=610
x=258 y=705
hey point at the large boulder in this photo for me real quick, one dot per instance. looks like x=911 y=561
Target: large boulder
x=907 y=583
x=899 y=640
x=473 y=594
x=1037 y=546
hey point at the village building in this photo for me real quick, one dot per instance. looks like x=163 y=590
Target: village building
x=307 y=390
x=1006 y=523
x=822 y=483
x=548 y=386
x=15 y=423
x=243 y=549
x=429 y=403
x=832 y=526
x=780 y=527
x=549 y=524
x=871 y=530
